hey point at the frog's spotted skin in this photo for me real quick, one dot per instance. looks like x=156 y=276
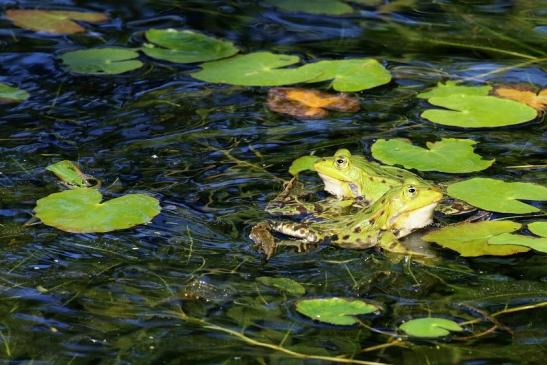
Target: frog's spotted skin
x=399 y=212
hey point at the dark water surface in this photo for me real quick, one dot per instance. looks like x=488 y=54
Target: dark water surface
x=213 y=155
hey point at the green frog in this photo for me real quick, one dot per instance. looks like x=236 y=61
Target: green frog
x=400 y=211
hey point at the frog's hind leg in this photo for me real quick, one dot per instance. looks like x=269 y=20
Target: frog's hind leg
x=261 y=234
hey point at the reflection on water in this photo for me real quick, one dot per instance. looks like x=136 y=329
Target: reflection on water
x=214 y=156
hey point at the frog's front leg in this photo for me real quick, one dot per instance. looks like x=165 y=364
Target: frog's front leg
x=390 y=242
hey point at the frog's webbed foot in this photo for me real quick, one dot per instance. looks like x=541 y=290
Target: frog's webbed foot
x=263 y=239
x=262 y=236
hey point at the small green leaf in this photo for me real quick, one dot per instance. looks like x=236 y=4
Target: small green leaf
x=471 y=239
x=253 y=69
x=470 y=111
x=448 y=155
x=539 y=228
x=69 y=173
x=101 y=61
x=340 y=311
x=284 y=284
x=327 y=7
x=349 y=75
x=303 y=163
x=53 y=21
x=9 y=94
x=430 y=327
x=497 y=195
x=535 y=243
x=186 y=46
x=452 y=88
x=80 y=211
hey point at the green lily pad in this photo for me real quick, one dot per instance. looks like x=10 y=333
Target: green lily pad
x=303 y=163
x=80 y=211
x=448 y=155
x=53 y=21
x=349 y=75
x=186 y=46
x=327 y=7
x=535 y=243
x=452 y=88
x=102 y=61
x=253 y=69
x=9 y=94
x=471 y=111
x=471 y=239
x=430 y=327
x=340 y=311
x=284 y=284
x=498 y=195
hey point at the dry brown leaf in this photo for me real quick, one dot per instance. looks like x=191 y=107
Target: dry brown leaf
x=309 y=103
x=53 y=21
x=524 y=95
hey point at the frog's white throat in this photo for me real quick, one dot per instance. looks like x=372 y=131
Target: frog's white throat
x=407 y=222
x=333 y=186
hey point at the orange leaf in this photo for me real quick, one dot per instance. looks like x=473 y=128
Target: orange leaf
x=52 y=21
x=306 y=103
x=527 y=96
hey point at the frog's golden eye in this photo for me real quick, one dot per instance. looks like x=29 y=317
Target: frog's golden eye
x=341 y=162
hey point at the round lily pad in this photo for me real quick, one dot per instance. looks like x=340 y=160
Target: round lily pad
x=471 y=111
x=303 y=163
x=535 y=243
x=102 y=61
x=53 y=21
x=448 y=155
x=471 y=239
x=186 y=46
x=9 y=94
x=340 y=311
x=430 y=327
x=284 y=284
x=498 y=195
x=539 y=228
x=327 y=7
x=452 y=88
x=349 y=75
x=254 y=69
x=80 y=211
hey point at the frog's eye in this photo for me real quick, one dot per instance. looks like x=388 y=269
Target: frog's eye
x=341 y=162
x=411 y=190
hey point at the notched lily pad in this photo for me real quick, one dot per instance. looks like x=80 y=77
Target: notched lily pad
x=449 y=155
x=309 y=103
x=326 y=7
x=453 y=88
x=11 y=95
x=186 y=46
x=80 y=211
x=498 y=195
x=303 y=163
x=284 y=284
x=471 y=239
x=535 y=243
x=102 y=61
x=349 y=75
x=339 y=311
x=53 y=21
x=430 y=327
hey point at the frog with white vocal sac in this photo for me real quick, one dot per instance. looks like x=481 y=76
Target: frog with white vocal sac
x=399 y=212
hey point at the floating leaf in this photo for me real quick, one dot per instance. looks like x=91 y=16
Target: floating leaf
x=349 y=75
x=339 y=311
x=448 y=155
x=284 y=284
x=303 y=163
x=471 y=239
x=9 y=94
x=70 y=174
x=478 y=111
x=497 y=195
x=80 y=211
x=253 y=69
x=309 y=103
x=327 y=7
x=430 y=327
x=100 y=61
x=186 y=46
x=535 y=243
x=537 y=100
x=452 y=88
x=53 y=21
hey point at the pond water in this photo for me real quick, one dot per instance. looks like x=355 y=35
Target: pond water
x=183 y=289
